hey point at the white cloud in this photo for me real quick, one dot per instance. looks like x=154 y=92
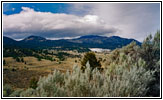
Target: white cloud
x=26 y=9
x=63 y=38
x=13 y=9
x=50 y=25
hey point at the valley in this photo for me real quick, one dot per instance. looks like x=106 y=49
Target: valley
x=36 y=56
x=18 y=73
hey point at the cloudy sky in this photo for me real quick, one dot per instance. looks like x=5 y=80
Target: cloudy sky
x=69 y=20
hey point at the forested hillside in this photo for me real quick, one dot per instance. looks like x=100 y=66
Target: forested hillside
x=80 y=44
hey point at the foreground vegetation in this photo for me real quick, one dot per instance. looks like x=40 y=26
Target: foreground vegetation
x=132 y=71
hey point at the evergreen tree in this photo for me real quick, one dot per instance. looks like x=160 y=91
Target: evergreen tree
x=17 y=59
x=39 y=59
x=90 y=56
x=4 y=62
x=22 y=60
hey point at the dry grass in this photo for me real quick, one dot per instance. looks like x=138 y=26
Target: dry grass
x=31 y=67
x=18 y=74
x=33 y=64
x=20 y=78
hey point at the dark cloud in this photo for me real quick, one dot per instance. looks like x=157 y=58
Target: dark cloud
x=134 y=20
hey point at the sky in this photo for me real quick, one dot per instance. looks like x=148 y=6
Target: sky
x=70 y=20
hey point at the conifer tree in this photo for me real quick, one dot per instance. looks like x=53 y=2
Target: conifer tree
x=4 y=62
x=91 y=57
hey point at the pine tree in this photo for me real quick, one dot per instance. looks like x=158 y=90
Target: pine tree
x=22 y=60
x=4 y=62
x=17 y=59
x=91 y=57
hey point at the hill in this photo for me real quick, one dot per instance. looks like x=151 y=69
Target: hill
x=84 y=42
x=95 y=41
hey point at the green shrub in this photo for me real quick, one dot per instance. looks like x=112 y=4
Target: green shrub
x=22 y=60
x=27 y=93
x=5 y=93
x=39 y=59
x=13 y=69
x=4 y=62
x=90 y=56
x=16 y=93
x=118 y=55
x=121 y=82
x=7 y=90
x=17 y=59
x=33 y=83
x=150 y=52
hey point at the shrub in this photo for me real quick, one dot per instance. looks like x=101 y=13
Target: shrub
x=4 y=62
x=118 y=55
x=39 y=59
x=16 y=93
x=27 y=93
x=90 y=56
x=13 y=69
x=17 y=59
x=61 y=55
x=150 y=52
x=22 y=60
x=7 y=90
x=33 y=83
x=121 y=82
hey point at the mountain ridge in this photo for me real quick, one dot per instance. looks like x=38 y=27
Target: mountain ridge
x=87 y=41
x=34 y=39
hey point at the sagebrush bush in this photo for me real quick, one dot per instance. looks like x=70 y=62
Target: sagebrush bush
x=7 y=90
x=118 y=55
x=16 y=93
x=121 y=82
x=27 y=93
x=150 y=52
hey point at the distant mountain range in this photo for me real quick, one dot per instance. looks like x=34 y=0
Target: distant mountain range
x=88 y=41
x=95 y=41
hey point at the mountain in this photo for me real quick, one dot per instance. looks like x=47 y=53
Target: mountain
x=8 y=42
x=88 y=41
x=90 y=36
x=34 y=39
x=95 y=41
